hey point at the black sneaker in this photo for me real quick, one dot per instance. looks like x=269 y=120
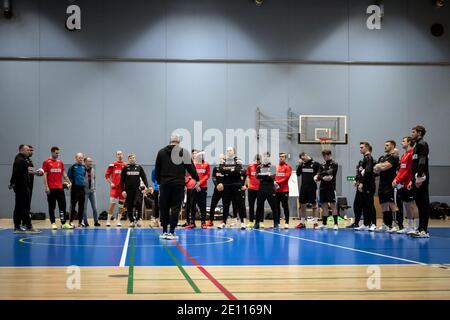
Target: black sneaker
x=352 y=226
x=97 y=224
x=20 y=230
x=86 y=225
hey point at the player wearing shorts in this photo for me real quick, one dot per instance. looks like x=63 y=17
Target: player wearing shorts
x=112 y=176
x=130 y=183
x=327 y=190
x=252 y=184
x=54 y=188
x=283 y=173
x=307 y=169
x=403 y=182
x=366 y=185
x=386 y=168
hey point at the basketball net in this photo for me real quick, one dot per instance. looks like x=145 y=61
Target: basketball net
x=325 y=143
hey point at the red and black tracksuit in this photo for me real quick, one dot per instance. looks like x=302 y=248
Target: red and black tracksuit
x=199 y=197
x=283 y=173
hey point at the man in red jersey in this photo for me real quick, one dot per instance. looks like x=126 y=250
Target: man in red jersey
x=403 y=182
x=53 y=185
x=198 y=194
x=252 y=187
x=112 y=176
x=283 y=173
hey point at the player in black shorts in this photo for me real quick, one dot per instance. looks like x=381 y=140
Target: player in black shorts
x=327 y=191
x=386 y=168
x=367 y=187
x=307 y=169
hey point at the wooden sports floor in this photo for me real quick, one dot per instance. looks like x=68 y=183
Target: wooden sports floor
x=226 y=264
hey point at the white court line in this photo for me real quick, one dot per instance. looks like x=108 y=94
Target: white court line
x=125 y=250
x=346 y=248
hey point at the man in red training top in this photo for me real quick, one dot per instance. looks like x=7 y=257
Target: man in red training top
x=198 y=195
x=283 y=173
x=112 y=176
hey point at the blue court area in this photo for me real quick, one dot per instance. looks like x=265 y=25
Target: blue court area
x=214 y=247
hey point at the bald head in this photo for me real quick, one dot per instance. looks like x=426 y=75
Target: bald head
x=79 y=158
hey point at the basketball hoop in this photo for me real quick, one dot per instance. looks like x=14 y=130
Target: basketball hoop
x=325 y=143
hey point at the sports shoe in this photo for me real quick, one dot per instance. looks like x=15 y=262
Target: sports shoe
x=402 y=231
x=412 y=231
x=393 y=230
x=256 y=226
x=108 y=223
x=204 y=226
x=372 y=228
x=20 y=230
x=421 y=234
x=171 y=236
x=335 y=228
x=132 y=224
x=163 y=235
x=72 y=225
x=32 y=231
x=87 y=225
x=276 y=226
x=191 y=226
x=352 y=226
x=301 y=226
x=139 y=223
x=184 y=225
x=361 y=228
x=67 y=226
x=286 y=225
x=250 y=224
x=118 y=223
x=81 y=225
x=222 y=226
x=243 y=226
x=97 y=224
x=54 y=226
x=383 y=228
x=261 y=225
x=210 y=223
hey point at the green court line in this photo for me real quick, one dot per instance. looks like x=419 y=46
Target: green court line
x=131 y=265
x=180 y=266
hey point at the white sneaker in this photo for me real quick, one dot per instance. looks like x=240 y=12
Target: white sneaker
x=402 y=231
x=108 y=223
x=163 y=235
x=118 y=224
x=335 y=228
x=222 y=226
x=243 y=226
x=139 y=223
x=286 y=225
x=171 y=236
x=383 y=228
x=361 y=228
x=393 y=230
x=372 y=228
x=411 y=232
x=421 y=234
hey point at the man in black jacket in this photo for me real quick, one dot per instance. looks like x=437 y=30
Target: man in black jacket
x=171 y=165
x=130 y=183
x=421 y=178
x=366 y=185
x=21 y=184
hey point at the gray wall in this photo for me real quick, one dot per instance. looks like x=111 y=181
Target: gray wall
x=98 y=106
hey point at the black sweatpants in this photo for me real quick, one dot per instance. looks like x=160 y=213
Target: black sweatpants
x=399 y=216
x=241 y=205
x=21 y=213
x=423 y=204
x=282 y=199
x=232 y=194
x=198 y=198
x=252 y=194
x=358 y=205
x=260 y=200
x=170 y=202
x=156 y=204
x=133 y=202
x=77 y=196
x=370 y=215
x=216 y=197
x=57 y=195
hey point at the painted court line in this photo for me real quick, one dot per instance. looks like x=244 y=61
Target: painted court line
x=211 y=278
x=345 y=248
x=123 y=258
